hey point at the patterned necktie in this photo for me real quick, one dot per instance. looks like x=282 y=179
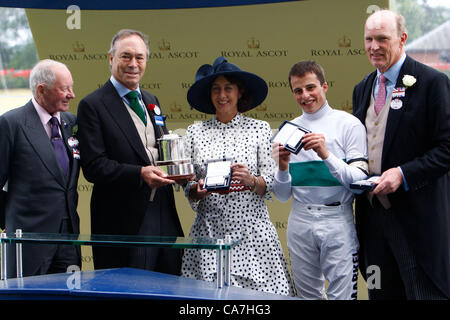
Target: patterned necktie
x=135 y=105
x=58 y=145
x=380 y=99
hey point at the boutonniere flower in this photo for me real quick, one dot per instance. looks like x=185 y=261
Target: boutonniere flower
x=154 y=108
x=408 y=81
x=74 y=130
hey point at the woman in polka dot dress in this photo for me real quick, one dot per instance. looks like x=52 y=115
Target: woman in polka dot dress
x=258 y=261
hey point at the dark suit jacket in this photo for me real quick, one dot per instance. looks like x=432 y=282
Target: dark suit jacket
x=39 y=195
x=417 y=138
x=2 y=209
x=112 y=155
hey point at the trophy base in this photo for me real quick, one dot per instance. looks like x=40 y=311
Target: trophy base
x=178 y=171
x=180 y=177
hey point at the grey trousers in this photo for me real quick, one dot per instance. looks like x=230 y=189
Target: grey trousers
x=386 y=247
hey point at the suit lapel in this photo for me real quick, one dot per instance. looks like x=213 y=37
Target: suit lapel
x=66 y=130
x=395 y=115
x=364 y=102
x=41 y=144
x=115 y=106
x=148 y=99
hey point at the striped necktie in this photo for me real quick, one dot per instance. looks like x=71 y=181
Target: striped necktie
x=380 y=99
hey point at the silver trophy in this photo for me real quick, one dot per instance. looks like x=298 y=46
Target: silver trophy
x=172 y=159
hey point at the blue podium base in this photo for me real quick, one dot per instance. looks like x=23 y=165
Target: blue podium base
x=123 y=283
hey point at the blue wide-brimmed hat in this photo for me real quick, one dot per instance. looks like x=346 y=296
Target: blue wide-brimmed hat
x=199 y=95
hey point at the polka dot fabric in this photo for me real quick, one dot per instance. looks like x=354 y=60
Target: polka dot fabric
x=258 y=261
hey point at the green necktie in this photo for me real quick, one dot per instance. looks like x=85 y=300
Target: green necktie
x=135 y=105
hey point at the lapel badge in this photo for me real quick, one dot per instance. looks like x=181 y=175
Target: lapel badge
x=396 y=104
x=159 y=120
x=398 y=92
x=76 y=153
x=73 y=142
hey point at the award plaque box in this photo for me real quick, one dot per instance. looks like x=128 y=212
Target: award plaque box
x=290 y=135
x=218 y=174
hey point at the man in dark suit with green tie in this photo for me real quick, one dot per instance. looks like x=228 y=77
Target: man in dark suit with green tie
x=119 y=125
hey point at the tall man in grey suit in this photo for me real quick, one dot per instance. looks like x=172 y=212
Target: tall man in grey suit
x=40 y=163
x=404 y=224
x=131 y=195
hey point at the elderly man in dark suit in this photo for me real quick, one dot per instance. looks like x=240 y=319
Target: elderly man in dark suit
x=39 y=161
x=119 y=125
x=404 y=223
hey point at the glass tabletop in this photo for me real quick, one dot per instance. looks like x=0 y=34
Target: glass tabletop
x=118 y=240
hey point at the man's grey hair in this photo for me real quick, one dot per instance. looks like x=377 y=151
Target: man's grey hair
x=399 y=20
x=401 y=24
x=43 y=73
x=126 y=33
